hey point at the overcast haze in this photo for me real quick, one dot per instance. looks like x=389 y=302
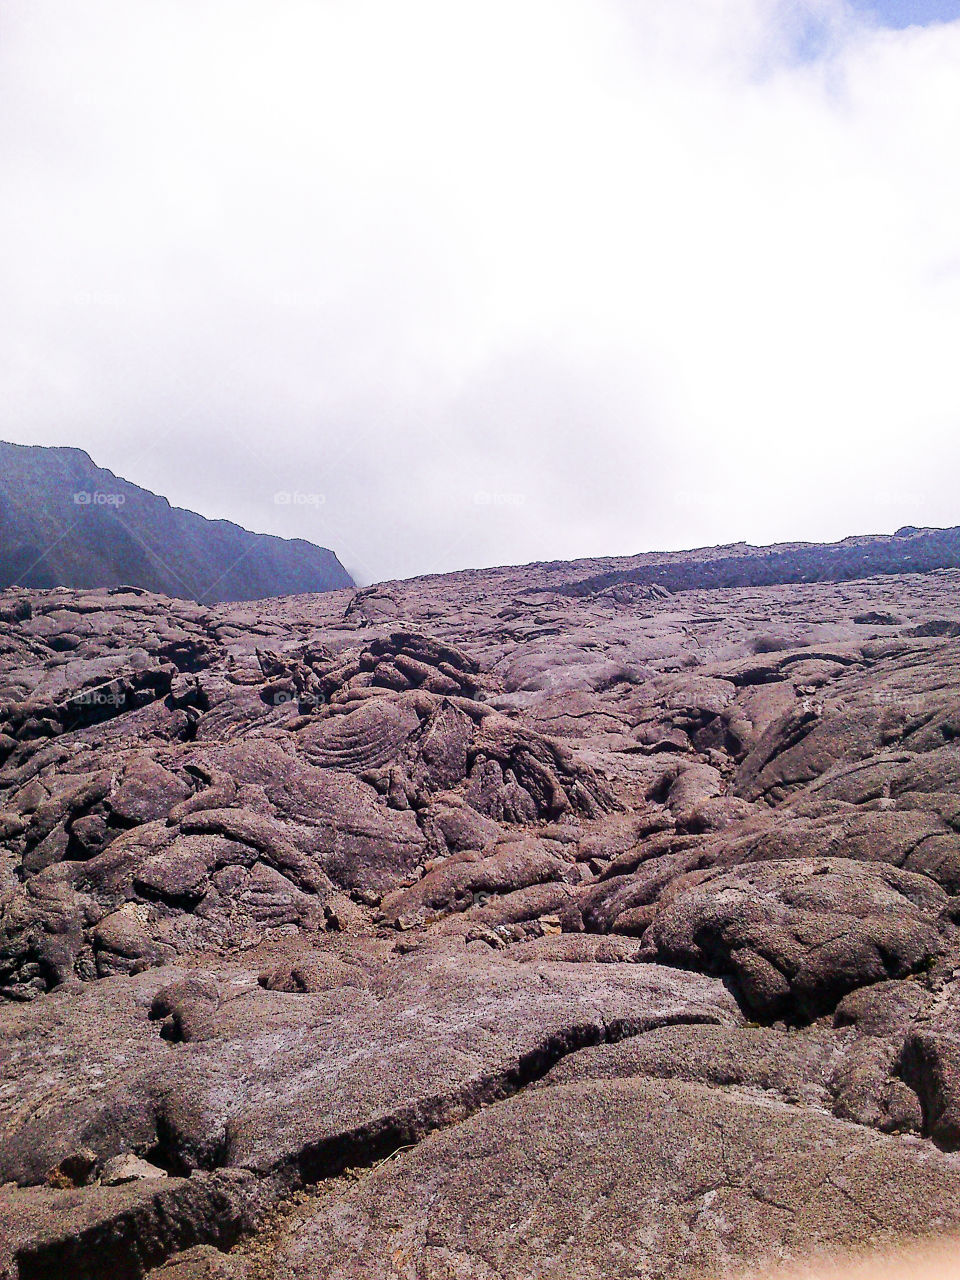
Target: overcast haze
x=449 y=284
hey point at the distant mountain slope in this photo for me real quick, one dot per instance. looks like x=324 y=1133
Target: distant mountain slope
x=737 y=564
x=66 y=522
x=909 y=550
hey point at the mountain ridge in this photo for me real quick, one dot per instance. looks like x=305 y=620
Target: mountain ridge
x=910 y=549
x=126 y=534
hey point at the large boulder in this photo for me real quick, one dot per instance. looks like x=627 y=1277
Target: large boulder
x=625 y=1177
x=798 y=935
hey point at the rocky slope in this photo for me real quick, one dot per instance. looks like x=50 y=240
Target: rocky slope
x=473 y=927
x=66 y=522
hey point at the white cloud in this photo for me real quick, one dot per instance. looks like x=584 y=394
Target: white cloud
x=671 y=274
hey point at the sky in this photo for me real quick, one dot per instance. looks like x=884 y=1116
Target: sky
x=445 y=285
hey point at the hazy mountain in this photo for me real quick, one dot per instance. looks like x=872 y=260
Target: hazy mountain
x=64 y=521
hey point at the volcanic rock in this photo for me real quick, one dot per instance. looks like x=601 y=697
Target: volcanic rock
x=520 y=922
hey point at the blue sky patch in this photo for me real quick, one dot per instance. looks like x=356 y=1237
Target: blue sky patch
x=909 y=13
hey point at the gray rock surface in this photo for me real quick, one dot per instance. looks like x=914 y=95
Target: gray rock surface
x=498 y=924
x=630 y=1177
